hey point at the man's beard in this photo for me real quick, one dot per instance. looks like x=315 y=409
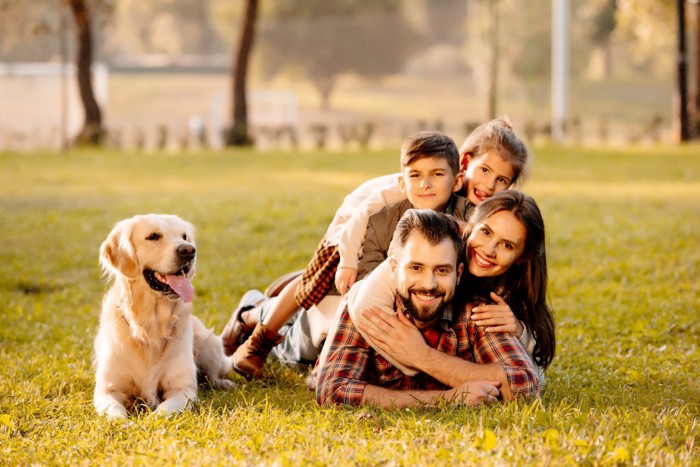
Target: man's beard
x=420 y=313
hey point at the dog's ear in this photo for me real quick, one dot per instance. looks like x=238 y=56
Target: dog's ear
x=117 y=255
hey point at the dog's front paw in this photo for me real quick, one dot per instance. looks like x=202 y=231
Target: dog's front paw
x=223 y=383
x=115 y=411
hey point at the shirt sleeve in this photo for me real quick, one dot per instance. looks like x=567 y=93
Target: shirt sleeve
x=373 y=251
x=505 y=349
x=342 y=379
x=355 y=229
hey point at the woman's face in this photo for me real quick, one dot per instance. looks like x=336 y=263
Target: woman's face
x=495 y=244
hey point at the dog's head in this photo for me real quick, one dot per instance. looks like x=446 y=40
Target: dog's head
x=160 y=248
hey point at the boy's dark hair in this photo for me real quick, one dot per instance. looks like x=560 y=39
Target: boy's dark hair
x=430 y=144
x=434 y=226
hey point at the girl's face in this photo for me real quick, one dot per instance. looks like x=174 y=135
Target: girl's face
x=495 y=244
x=486 y=175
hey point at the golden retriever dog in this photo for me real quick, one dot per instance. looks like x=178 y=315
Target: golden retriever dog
x=149 y=347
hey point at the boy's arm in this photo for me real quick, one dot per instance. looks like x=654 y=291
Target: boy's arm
x=355 y=229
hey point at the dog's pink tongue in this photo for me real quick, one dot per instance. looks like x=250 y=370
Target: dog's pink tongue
x=182 y=286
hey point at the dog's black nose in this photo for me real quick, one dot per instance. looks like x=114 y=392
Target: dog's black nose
x=186 y=251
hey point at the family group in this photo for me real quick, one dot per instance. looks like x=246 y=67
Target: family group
x=429 y=285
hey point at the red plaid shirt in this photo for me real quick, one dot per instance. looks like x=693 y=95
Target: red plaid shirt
x=352 y=364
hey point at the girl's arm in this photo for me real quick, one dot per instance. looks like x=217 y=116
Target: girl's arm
x=355 y=229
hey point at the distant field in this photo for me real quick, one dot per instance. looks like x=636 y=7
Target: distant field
x=623 y=230
x=609 y=111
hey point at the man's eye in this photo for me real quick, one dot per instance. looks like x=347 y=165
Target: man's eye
x=155 y=236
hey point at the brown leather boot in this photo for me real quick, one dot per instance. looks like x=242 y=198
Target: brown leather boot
x=250 y=357
x=236 y=331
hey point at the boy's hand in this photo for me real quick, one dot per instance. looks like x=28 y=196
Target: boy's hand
x=499 y=317
x=344 y=279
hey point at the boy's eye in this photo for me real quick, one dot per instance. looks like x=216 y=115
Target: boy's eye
x=155 y=236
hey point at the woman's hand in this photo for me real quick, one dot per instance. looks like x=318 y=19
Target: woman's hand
x=395 y=335
x=344 y=279
x=498 y=317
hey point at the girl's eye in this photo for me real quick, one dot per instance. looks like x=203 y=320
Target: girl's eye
x=484 y=231
x=155 y=236
x=502 y=180
x=484 y=169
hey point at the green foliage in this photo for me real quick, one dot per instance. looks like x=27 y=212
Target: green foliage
x=623 y=231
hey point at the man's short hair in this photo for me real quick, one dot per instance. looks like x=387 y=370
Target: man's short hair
x=430 y=144
x=432 y=225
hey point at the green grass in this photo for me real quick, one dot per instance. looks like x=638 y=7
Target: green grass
x=623 y=232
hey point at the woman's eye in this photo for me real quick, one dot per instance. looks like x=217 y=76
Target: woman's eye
x=154 y=236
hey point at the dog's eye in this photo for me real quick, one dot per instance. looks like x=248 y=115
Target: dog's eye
x=184 y=237
x=155 y=236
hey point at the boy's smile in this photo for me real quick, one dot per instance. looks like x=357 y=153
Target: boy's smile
x=429 y=182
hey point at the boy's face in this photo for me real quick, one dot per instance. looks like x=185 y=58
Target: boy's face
x=428 y=183
x=487 y=175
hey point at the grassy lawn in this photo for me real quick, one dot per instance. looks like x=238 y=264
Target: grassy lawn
x=623 y=232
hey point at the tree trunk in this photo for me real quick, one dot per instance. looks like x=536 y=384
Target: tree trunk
x=238 y=134
x=92 y=132
x=696 y=106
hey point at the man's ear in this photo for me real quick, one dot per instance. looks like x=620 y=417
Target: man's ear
x=460 y=269
x=117 y=254
x=459 y=182
x=393 y=263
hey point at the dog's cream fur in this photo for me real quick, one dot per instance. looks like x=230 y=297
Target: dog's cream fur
x=149 y=346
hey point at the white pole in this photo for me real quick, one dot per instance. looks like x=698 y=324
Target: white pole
x=560 y=68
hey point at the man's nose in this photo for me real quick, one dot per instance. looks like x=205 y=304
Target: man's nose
x=428 y=281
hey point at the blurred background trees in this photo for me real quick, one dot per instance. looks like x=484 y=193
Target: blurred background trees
x=473 y=58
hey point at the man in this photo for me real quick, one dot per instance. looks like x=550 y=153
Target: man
x=470 y=366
